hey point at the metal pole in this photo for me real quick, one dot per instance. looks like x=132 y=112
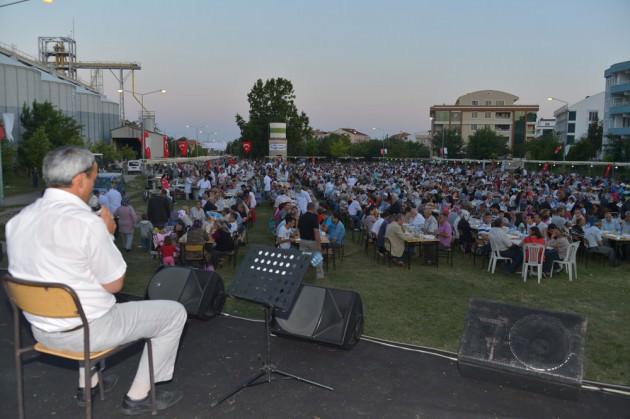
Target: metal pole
x=1 y=178
x=442 y=141
x=15 y=2
x=143 y=140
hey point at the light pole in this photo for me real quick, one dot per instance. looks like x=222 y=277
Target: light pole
x=142 y=110
x=383 y=140
x=564 y=137
x=23 y=1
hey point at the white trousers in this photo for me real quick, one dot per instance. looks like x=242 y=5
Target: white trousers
x=162 y=321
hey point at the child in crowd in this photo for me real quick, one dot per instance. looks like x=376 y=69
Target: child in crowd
x=146 y=229
x=168 y=251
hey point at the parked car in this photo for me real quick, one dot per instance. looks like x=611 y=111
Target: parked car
x=104 y=182
x=134 y=166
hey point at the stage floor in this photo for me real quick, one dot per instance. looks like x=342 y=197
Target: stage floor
x=370 y=381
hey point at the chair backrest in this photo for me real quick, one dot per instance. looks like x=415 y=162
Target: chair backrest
x=387 y=245
x=193 y=251
x=42 y=298
x=494 y=249
x=572 y=252
x=534 y=253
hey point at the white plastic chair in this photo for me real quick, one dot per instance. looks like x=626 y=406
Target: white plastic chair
x=533 y=256
x=495 y=256
x=569 y=263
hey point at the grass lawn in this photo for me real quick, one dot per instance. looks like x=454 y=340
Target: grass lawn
x=427 y=306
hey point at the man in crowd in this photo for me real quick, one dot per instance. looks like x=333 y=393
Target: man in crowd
x=500 y=240
x=595 y=243
x=310 y=240
x=59 y=238
x=159 y=209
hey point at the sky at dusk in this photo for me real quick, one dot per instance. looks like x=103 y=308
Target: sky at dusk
x=359 y=64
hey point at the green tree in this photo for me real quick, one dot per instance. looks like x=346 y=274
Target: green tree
x=340 y=146
x=108 y=150
x=59 y=128
x=9 y=152
x=127 y=153
x=451 y=139
x=617 y=149
x=273 y=101
x=588 y=147
x=34 y=148
x=544 y=148
x=485 y=143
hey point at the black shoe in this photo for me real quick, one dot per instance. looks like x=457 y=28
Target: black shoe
x=109 y=382
x=163 y=400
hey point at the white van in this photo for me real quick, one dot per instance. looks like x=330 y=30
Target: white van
x=134 y=166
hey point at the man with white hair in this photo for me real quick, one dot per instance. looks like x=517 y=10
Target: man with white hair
x=60 y=239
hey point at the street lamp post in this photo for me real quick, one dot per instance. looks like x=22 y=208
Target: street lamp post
x=382 y=140
x=564 y=137
x=142 y=110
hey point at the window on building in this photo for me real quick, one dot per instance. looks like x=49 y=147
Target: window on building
x=593 y=116
x=502 y=115
x=486 y=126
x=502 y=127
x=488 y=102
x=500 y=103
x=571 y=115
x=456 y=116
x=475 y=103
x=570 y=139
x=474 y=114
x=625 y=122
x=571 y=128
x=488 y=115
x=441 y=116
x=473 y=127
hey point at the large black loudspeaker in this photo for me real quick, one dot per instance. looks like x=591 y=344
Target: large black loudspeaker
x=535 y=350
x=324 y=315
x=201 y=292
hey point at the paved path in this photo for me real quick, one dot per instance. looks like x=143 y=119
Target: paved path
x=21 y=199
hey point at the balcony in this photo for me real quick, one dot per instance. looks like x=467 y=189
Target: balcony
x=619 y=110
x=619 y=131
x=620 y=88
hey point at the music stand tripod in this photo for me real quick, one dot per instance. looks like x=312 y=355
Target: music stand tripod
x=272 y=278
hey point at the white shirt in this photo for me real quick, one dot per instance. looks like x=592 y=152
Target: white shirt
x=252 y=200
x=114 y=198
x=593 y=236
x=203 y=185
x=418 y=220
x=267 y=181
x=354 y=208
x=284 y=233
x=59 y=239
x=377 y=225
x=302 y=198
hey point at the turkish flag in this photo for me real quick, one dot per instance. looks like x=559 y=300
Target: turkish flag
x=247 y=146
x=557 y=149
x=165 y=145
x=2 y=133
x=545 y=167
x=147 y=153
x=608 y=170
x=183 y=148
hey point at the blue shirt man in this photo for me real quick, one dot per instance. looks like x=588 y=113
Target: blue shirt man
x=336 y=231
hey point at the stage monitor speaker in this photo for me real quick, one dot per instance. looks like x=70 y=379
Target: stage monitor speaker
x=201 y=292
x=326 y=315
x=536 y=350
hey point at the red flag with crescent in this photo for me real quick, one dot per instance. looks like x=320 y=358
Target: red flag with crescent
x=165 y=145
x=183 y=148
x=247 y=146
x=545 y=167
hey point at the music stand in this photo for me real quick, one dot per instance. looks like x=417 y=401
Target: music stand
x=272 y=278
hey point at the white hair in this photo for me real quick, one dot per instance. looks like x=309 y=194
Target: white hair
x=62 y=164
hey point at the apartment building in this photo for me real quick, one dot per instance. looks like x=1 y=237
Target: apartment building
x=617 y=101
x=545 y=125
x=490 y=109
x=572 y=120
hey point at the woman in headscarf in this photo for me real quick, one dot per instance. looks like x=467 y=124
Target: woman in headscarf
x=127 y=220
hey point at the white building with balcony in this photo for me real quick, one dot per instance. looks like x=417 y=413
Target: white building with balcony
x=572 y=121
x=617 y=101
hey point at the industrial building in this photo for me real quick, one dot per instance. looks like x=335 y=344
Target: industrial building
x=24 y=80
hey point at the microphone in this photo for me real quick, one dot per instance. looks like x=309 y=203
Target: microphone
x=94 y=204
